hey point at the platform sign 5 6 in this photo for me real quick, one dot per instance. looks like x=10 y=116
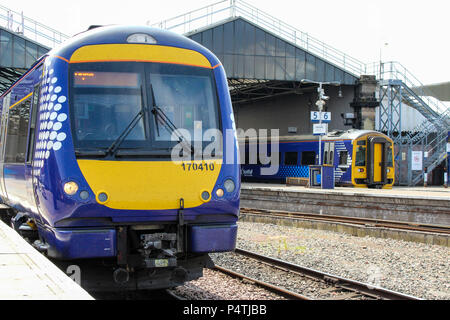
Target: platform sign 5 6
x=315 y=116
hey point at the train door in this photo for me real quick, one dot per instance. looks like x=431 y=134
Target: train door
x=31 y=147
x=377 y=164
x=15 y=153
x=3 y=126
x=328 y=154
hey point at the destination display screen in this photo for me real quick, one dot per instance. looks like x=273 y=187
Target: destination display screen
x=106 y=79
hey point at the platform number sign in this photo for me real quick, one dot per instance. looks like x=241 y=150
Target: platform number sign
x=315 y=116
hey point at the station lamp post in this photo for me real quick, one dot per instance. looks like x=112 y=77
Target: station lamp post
x=320 y=103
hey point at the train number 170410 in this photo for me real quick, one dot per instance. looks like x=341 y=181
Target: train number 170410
x=198 y=166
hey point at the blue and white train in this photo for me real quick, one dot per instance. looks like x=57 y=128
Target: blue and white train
x=360 y=158
x=85 y=155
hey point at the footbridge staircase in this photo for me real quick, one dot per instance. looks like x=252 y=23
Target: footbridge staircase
x=399 y=87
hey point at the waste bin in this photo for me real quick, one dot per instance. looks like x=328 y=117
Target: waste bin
x=321 y=176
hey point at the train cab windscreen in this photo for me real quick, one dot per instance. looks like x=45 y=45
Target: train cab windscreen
x=106 y=98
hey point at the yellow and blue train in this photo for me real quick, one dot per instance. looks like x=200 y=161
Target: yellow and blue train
x=85 y=155
x=361 y=158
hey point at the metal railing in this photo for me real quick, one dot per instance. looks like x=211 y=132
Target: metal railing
x=393 y=70
x=229 y=9
x=17 y=23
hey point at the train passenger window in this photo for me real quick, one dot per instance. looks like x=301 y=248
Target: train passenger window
x=343 y=158
x=308 y=158
x=360 y=160
x=17 y=134
x=290 y=158
x=389 y=158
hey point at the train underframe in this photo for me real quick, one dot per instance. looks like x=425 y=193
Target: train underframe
x=148 y=256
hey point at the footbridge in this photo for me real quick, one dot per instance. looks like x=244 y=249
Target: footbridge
x=22 y=42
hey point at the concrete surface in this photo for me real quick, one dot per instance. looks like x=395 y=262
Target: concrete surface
x=25 y=274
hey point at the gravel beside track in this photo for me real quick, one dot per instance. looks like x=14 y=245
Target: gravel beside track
x=215 y=285
x=305 y=286
x=411 y=268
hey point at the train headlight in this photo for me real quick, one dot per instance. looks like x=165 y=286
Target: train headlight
x=102 y=197
x=219 y=193
x=141 y=38
x=70 y=188
x=84 y=195
x=229 y=185
x=205 y=195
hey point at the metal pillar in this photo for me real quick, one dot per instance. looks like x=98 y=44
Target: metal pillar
x=389 y=121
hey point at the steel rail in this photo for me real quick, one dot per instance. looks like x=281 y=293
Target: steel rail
x=270 y=287
x=368 y=222
x=173 y=295
x=339 y=282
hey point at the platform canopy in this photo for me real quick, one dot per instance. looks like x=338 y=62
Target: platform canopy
x=258 y=63
x=17 y=54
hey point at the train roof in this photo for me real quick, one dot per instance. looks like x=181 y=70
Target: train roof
x=118 y=34
x=332 y=135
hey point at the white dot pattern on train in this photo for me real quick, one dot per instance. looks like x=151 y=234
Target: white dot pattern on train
x=51 y=119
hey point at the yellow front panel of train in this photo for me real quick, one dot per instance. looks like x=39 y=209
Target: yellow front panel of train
x=139 y=52
x=155 y=185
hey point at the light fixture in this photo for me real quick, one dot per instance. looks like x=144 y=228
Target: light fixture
x=229 y=185
x=141 y=38
x=102 y=197
x=84 y=195
x=340 y=93
x=70 y=188
x=205 y=195
x=219 y=193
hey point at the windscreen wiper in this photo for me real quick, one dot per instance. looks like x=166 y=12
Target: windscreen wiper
x=116 y=144
x=157 y=112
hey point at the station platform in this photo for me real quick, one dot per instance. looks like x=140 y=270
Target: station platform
x=25 y=274
x=429 y=205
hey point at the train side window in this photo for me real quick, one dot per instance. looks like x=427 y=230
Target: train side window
x=361 y=142
x=308 y=158
x=34 y=109
x=17 y=134
x=343 y=157
x=360 y=160
x=290 y=158
x=325 y=157
x=331 y=158
x=389 y=158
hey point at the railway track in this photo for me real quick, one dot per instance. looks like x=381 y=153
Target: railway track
x=265 y=285
x=341 y=287
x=409 y=226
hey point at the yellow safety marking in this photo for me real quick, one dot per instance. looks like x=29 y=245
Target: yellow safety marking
x=152 y=185
x=139 y=53
x=24 y=98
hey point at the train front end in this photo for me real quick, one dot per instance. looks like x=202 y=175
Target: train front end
x=373 y=163
x=143 y=166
